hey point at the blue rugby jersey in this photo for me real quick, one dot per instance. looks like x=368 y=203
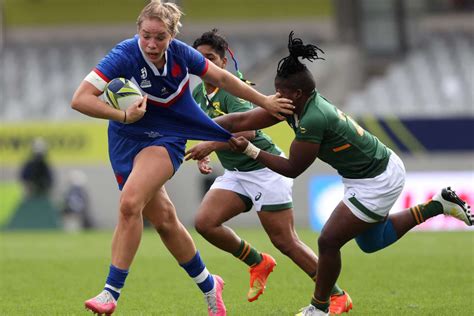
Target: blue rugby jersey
x=171 y=110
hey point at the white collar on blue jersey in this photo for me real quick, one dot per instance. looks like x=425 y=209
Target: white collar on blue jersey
x=155 y=70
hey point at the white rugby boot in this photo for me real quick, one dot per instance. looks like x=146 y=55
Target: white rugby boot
x=454 y=206
x=310 y=310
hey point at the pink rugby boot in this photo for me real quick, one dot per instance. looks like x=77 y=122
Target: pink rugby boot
x=104 y=303
x=215 y=304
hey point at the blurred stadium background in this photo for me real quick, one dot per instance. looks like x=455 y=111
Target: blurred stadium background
x=403 y=69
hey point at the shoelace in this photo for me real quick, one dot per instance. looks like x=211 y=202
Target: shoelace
x=211 y=300
x=104 y=297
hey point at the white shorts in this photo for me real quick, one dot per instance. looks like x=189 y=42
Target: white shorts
x=268 y=190
x=371 y=199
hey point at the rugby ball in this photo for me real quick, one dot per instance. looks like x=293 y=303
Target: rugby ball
x=120 y=93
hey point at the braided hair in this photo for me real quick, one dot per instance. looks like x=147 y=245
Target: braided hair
x=291 y=64
x=291 y=71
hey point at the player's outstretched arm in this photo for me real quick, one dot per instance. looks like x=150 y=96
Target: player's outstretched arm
x=302 y=155
x=274 y=104
x=204 y=149
x=245 y=121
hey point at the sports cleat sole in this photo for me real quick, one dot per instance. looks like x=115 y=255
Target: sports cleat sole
x=96 y=313
x=466 y=216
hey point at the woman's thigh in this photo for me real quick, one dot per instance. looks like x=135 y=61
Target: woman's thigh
x=152 y=167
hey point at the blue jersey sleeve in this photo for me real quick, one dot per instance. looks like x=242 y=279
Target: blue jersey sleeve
x=195 y=61
x=117 y=62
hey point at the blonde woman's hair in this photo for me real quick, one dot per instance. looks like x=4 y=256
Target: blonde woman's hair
x=167 y=12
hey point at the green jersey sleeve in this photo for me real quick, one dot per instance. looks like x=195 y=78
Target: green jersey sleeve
x=234 y=104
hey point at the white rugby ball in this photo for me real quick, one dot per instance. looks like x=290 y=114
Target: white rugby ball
x=121 y=93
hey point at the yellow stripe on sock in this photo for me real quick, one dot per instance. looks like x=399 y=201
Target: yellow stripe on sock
x=415 y=215
x=246 y=247
x=419 y=213
x=319 y=301
x=246 y=253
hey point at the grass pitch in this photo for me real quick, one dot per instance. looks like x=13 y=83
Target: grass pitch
x=53 y=273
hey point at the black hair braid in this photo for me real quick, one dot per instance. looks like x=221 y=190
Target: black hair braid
x=291 y=64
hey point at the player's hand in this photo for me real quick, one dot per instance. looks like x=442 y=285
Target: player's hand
x=136 y=110
x=238 y=144
x=279 y=107
x=204 y=166
x=199 y=151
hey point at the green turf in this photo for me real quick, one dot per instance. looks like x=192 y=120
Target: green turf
x=99 y=12
x=52 y=274
x=10 y=195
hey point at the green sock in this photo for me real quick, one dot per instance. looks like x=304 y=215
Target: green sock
x=336 y=290
x=321 y=305
x=247 y=254
x=422 y=212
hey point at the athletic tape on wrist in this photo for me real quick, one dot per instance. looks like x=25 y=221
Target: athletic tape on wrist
x=252 y=151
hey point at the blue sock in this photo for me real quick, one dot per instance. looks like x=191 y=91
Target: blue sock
x=115 y=281
x=197 y=270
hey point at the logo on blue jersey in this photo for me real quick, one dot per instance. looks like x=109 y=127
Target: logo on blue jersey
x=153 y=134
x=144 y=83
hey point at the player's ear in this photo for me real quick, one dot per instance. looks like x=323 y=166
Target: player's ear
x=224 y=62
x=298 y=93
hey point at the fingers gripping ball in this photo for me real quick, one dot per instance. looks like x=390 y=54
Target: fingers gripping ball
x=120 y=93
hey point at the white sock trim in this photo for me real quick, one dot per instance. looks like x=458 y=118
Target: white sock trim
x=112 y=288
x=201 y=277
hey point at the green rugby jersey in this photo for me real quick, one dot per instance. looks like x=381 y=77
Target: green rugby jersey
x=220 y=103
x=347 y=147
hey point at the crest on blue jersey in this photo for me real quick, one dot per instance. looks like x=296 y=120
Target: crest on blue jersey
x=143 y=73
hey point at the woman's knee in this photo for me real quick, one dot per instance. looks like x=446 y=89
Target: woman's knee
x=168 y=220
x=130 y=205
x=327 y=242
x=203 y=224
